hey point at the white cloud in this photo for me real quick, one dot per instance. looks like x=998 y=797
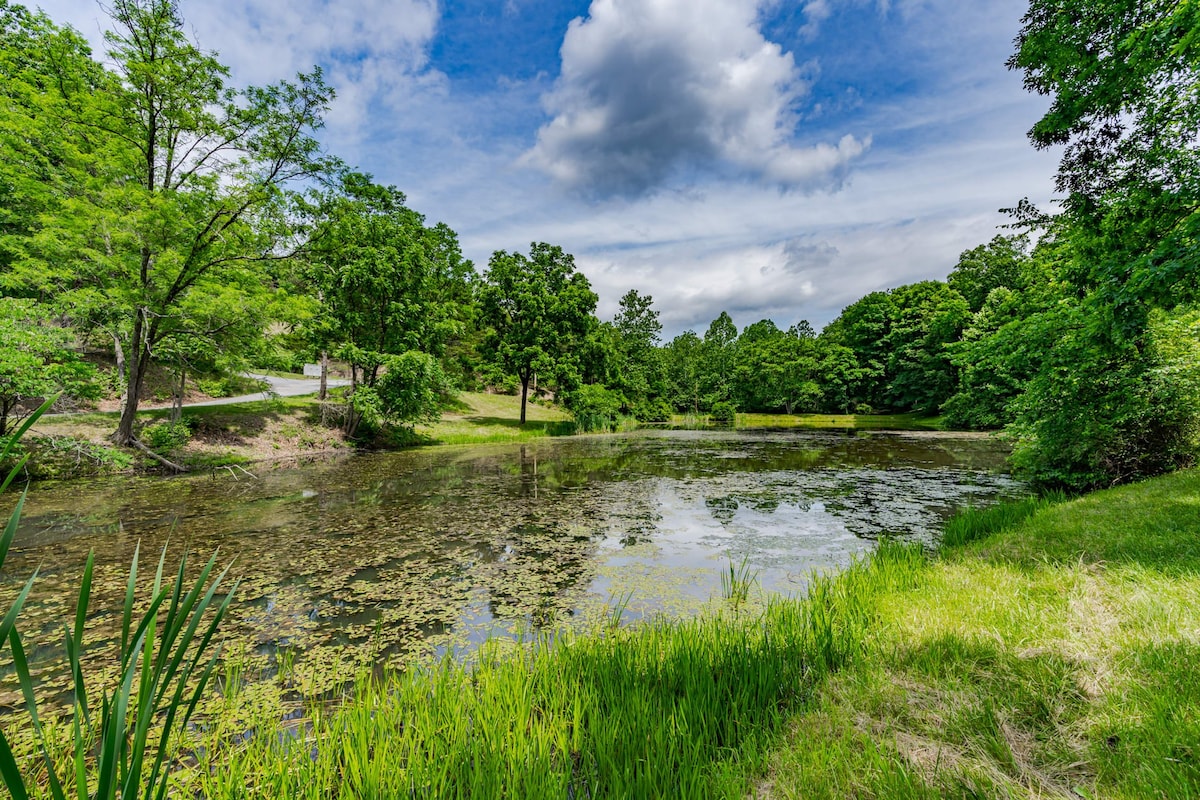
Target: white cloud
x=372 y=51
x=815 y=12
x=652 y=87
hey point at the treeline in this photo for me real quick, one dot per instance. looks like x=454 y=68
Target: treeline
x=152 y=211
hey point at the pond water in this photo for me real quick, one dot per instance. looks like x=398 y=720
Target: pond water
x=376 y=555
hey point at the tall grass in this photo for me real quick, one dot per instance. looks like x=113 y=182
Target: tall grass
x=973 y=524
x=665 y=709
x=122 y=734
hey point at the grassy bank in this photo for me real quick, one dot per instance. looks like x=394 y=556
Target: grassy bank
x=285 y=429
x=1058 y=657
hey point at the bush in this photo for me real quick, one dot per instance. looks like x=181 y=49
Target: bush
x=595 y=407
x=723 y=413
x=653 y=411
x=166 y=437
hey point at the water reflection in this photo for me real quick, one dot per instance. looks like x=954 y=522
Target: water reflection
x=372 y=555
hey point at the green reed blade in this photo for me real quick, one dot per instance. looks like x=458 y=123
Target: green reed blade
x=11 y=772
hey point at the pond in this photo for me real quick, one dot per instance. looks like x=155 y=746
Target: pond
x=392 y=554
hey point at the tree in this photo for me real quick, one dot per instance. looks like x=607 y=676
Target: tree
x=777 y=369
x=1124 y=81
x=181 y=195
x=539 y=310
x=863 y=327
x=389 y=290
x=683 y=362
x=717 y=360
x=36 y=152
x=36 y=360
x=995 y=264
x=927 y=316
x=638 y=373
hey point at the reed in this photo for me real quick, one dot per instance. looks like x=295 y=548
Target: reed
x=122 y=734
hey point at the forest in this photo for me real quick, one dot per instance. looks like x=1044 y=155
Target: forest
x=152 y=215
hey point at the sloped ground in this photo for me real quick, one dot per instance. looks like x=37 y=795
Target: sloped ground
x=1058 y=658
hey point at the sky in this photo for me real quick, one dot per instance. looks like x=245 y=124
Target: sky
x=770 y=158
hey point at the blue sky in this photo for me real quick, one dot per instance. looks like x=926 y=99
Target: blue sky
x=769 y=158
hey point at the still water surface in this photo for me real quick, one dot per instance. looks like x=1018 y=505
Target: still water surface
x=384 y=554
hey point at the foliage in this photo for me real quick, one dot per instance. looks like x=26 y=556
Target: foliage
x=1103 y=410
x=658 y=410
x=595 y=407
x=166 y=437
x=411 y=388
x=391 y=296
x=723 y=413
x=36 y=359
x=539 y=310
x=998 y=264
x=171 y=202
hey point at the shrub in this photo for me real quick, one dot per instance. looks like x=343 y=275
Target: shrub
x=165 y=437
x=595 y=407
x=653 y=411
x=723 y=413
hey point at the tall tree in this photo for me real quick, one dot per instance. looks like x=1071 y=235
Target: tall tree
x=539 y=310
x=638 y=373
x=181 y=196
x=390 y=292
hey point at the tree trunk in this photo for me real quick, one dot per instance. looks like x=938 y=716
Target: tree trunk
x=119 y=353
x=177 y=399
x=323 y=395
x=524 y=393
x=351 y=416
x=133 y=386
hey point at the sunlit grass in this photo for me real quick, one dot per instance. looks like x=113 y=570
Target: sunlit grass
x=1050 y=652
x=896 y=422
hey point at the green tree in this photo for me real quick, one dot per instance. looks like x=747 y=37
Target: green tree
x=539 y=310
x=683 y=363
x=1123 y=78
x=777 y=369
x=981 y=269
x=36 y=360
x=863 y=327
x=927 y=316
x=718 y=353
x=180 y=195
x=389 y=289
x=639 y=370
x=1124 y=81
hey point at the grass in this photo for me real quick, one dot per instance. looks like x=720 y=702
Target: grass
x=1049 y=651
x=666 y=709
x=480 y=418
x=870 y=422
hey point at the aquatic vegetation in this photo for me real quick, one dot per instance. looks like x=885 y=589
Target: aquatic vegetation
x=390 y=557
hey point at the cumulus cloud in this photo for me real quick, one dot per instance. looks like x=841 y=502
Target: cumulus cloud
x=373 y=51
x=649 y=88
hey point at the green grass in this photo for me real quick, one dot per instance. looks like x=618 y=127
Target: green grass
x=1051 y=651
x=666 y=709
x=872 y=422
x=479 y=418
